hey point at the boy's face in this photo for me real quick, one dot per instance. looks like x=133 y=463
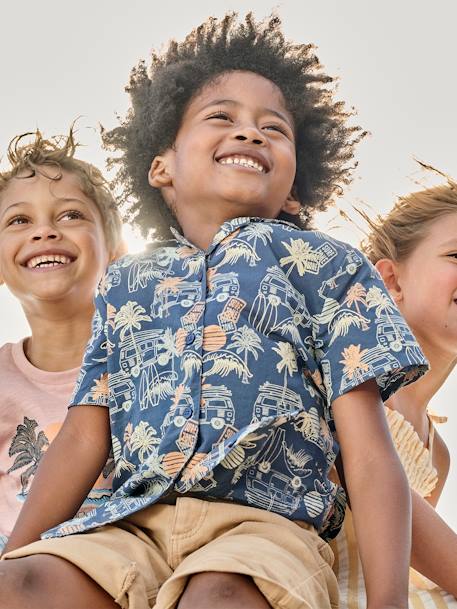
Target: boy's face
x=234 y=153
x=52 y=244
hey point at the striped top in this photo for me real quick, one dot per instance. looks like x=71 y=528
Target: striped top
x=422 y=475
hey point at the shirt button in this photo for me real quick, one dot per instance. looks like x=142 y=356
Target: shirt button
x=190 y=338
x=187 y=412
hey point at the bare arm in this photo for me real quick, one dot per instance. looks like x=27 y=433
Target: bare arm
x=441 y=460
x=379 y=494
x=66 y=474
x=434 y=548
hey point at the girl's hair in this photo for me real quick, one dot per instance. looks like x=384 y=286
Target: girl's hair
x=161 y=92
x=32 y=158
x=396 y=235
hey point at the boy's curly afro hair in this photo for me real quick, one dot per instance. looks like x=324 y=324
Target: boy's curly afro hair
x=160 y=95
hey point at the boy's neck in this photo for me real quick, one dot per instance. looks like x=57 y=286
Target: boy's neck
x=58 y=341
x=200 y=238
x=200 y=225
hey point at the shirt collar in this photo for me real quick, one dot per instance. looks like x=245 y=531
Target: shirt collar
x=228 y=228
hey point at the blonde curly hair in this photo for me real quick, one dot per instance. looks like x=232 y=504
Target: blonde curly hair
x=29 y=158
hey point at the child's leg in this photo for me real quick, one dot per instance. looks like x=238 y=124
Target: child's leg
x=114 y=566
x=47 y=582
x=228 y=556
x=221 y=590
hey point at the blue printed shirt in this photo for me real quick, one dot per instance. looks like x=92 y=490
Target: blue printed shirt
x=219 y=369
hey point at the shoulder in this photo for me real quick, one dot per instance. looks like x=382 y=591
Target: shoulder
x=133 y=271
x=323 y=263
x=326 y=249
x=8 y=354
x=5 y=350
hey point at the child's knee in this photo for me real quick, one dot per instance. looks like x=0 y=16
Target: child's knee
x=20 y=578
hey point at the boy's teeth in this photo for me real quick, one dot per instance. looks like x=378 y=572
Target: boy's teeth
x=48 y=261
x=246 y=161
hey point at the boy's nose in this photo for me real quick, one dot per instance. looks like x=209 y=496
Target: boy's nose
x=45 y=232
x=250 y=134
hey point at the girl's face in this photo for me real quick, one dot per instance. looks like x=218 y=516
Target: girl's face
x=428 y=287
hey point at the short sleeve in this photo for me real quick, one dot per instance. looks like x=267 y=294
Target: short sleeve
x=359 y=334
x=92 y=383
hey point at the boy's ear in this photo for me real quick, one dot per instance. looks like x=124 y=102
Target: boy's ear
x=291 y=205
x=160 y=172
x=389 y=271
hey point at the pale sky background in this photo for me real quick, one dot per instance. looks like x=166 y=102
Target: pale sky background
x=396 y=61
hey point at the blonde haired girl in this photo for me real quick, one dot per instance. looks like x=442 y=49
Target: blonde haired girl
x=414 y=248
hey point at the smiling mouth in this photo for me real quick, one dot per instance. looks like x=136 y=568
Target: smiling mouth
x=48 y=261
x=243 y=161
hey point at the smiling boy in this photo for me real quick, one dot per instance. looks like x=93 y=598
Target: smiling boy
x=225 y=357
x=58 y=230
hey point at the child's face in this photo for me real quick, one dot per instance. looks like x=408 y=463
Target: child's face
x=428 y=282
x=235 y=150
x=52 y=244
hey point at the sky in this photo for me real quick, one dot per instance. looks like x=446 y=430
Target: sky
x=395 y=64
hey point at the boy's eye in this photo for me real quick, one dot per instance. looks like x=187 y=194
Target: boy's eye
x=278 y=128
x=72 y=214
x=17 y=220
x=220 y=115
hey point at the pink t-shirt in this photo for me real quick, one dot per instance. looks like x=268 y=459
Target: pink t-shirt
x=33 y=406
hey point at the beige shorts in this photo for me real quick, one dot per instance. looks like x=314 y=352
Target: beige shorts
x=145 y=560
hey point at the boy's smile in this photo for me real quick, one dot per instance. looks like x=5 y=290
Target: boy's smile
x=50 y=227
x=234 y=155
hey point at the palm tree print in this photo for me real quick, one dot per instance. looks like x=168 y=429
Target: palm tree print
x=262 y=232
x=245 y=340
x=128 y=317
x=343 y=321
x=143 y=439
x=302 y=257
x=100 y=389
x=288 y=362
x=379 y=299
x=352 y=360
x=354 y=295
x=237 y=250
x=225 y=362
x=29 y=447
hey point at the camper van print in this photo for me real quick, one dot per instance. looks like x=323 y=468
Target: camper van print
x=184 y=294
x=222 y=286
x=122 y=392
x=179 y=413
x=137 y=352
x=269 y=488
x=394 y=334
x=276 y=299
x=275 y=400
x=216 y=407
